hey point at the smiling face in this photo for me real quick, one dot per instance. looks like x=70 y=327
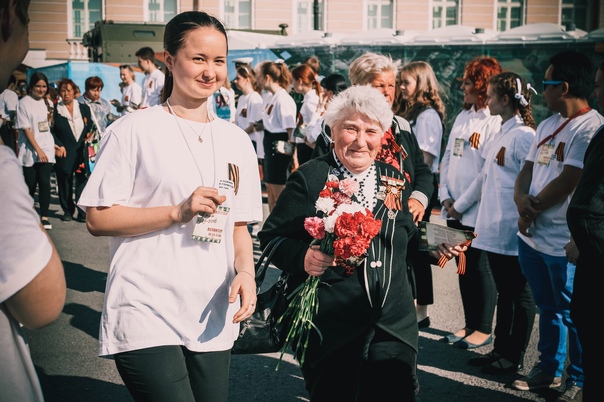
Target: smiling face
x=408 y=85
x=200 y=65
x=357 y=141
x=39 y=90
x=469 y=91
x=386 y=83
x=127 y=76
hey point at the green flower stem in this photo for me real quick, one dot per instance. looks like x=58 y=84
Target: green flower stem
x=301 y=310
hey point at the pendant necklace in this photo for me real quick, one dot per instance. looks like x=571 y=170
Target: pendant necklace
x=199 y=136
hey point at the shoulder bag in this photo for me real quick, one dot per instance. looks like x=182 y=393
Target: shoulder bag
x=262 y=332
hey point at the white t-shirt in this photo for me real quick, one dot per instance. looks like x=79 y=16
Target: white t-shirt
x=549 y=230
x=493 y=188
x=152 y=86
x=8 y=103
x=131 y=95
x=428 y=129
x=279 y=112
x=249 y=110
x=33 y=114
x=24 y=253
x=463 y=157
x=307 y=113
x=164 y=288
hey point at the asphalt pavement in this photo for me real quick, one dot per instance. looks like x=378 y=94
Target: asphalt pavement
x=65 y=352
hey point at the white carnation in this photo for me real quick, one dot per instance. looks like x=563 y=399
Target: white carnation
x=330 y=223
x=324 y=204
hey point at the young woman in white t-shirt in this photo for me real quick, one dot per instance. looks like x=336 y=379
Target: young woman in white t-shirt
x=462 y=161
x=249 y=109
x=509 y=96
x=278 y=123
x=132 y=93
x=175 y=187
x=36 y=144
x=305 y=83
x=425 y=111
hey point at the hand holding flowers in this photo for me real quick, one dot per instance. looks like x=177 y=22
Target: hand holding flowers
x=343 y=232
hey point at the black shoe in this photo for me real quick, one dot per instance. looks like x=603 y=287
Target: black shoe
x=66 y=218
x=81 y=217
x=46 y=224
x=500 y=367
x=484 y=360
x=425 y=323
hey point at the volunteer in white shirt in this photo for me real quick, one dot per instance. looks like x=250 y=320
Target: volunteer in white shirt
x=509 y=97
x=462 y=161
x=175 y=187
x=542 y=194
x=153 y=82
x=305 y=83
x=278 y=122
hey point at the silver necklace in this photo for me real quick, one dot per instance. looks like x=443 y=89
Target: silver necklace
x=199 y=136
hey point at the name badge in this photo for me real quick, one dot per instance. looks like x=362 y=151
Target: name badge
x=210 y=227
x=43 y=126
x=545 y=154
x=458 y=148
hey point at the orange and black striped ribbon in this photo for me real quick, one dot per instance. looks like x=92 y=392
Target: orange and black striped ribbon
x=270 y=109
x=560 y=152
x=461 y=263
x=475 y=140
x=501 y=157
x=234 y=176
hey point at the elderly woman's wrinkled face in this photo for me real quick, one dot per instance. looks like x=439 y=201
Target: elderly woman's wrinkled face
x=357 y=141
x=386 y=83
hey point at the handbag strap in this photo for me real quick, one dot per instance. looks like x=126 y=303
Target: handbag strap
x=265 y=259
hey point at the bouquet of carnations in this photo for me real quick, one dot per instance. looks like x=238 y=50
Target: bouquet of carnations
x=344 y=230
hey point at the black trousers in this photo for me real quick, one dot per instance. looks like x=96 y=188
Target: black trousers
x=65 y=182
x=175 y=374
x=38 y=176
x=515 y=307
x=422 y=262
x=477 y=287
x=583 y=305
x=388 y=369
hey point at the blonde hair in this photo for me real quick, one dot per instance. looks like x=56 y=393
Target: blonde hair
x=365 y=68
x=427 y=91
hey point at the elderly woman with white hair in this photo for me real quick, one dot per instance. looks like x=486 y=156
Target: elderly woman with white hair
x=367 y=347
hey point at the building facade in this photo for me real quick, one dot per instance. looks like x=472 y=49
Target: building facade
x=57 y=26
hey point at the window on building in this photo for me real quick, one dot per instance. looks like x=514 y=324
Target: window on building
x=510 y=14
x=238 y=14
x=380 y=14
x=84 y=14
x=575 y=12
x=444 y=12
x=159 y=10
x=305 y=15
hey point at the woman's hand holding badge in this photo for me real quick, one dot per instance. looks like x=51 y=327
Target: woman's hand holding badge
x=203 y=200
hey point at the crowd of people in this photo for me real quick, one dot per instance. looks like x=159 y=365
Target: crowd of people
x=181 y=166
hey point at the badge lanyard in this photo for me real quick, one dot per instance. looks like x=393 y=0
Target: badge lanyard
x=555 y=133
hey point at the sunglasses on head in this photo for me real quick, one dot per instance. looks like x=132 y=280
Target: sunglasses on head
x=554 y=83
